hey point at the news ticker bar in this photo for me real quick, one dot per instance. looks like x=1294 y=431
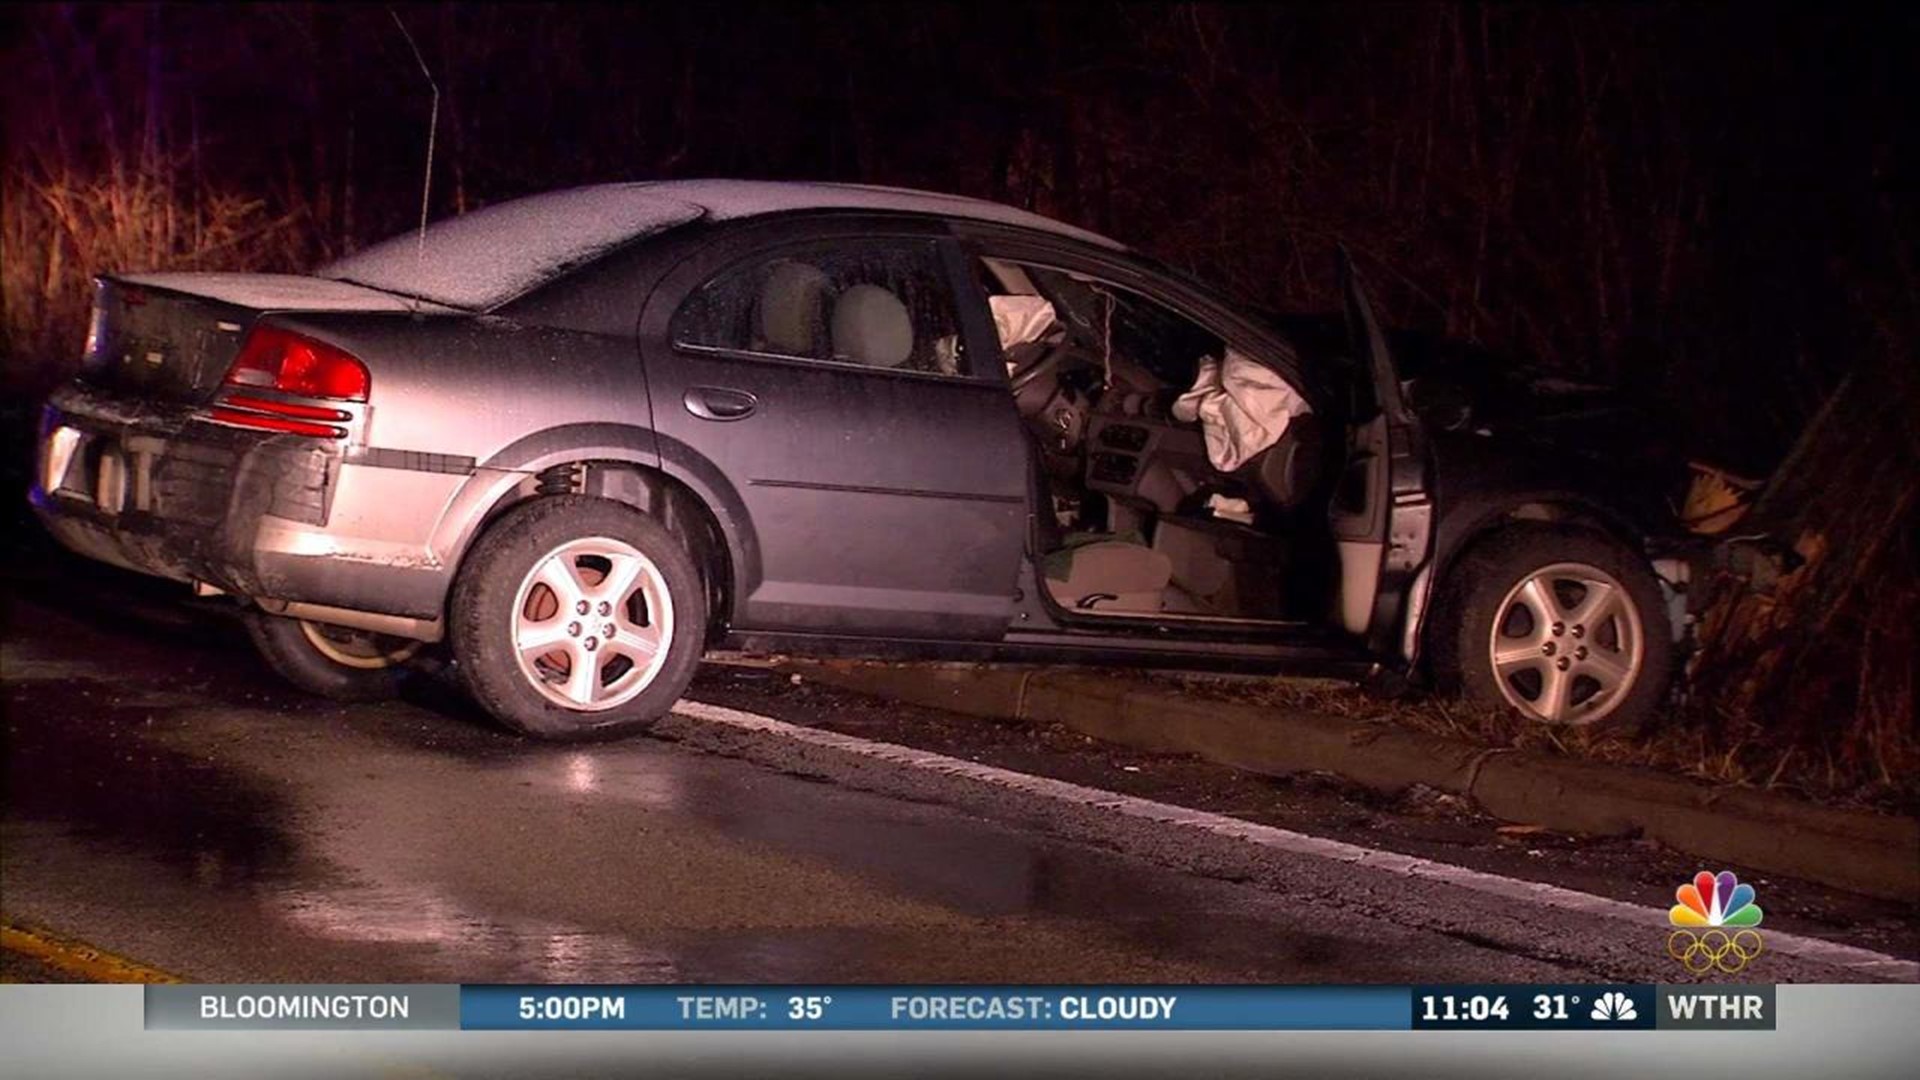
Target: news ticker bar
x=362 y=1007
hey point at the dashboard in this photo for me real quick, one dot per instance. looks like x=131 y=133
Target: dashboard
x=1146 y=461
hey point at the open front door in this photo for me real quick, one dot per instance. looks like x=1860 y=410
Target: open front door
x=1382 y=515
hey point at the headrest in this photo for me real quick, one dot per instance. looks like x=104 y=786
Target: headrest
x=871 y=326
x=790 y=308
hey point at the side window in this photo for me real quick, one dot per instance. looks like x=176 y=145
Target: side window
x=872 y=303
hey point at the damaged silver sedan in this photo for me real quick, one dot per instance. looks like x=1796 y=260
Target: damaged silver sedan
x=579 y=439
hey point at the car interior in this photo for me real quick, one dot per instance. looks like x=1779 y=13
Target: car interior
x=1174 y=479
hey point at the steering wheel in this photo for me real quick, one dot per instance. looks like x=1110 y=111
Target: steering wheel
x=1043 y=362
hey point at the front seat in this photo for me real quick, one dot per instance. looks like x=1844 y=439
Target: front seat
x=1287 y=475
x=872 y=327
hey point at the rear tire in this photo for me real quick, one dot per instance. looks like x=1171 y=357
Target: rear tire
x=578 y=618
x=1563 y=625
x=331 y=661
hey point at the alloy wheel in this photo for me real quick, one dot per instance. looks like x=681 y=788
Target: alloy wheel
x=591 y=623
x=1567 y=644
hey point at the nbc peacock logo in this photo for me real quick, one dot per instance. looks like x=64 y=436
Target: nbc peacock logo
x=1615 y=1006
x=1714 y=924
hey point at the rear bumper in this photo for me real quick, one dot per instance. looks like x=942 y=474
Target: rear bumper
x=156 y=490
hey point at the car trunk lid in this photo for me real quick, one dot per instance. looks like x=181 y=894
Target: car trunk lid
x=172 y=337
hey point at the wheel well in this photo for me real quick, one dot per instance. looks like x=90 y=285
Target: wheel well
x=651 y=492
x=1553 y=513
x=1442 y=594
x=1534 y=512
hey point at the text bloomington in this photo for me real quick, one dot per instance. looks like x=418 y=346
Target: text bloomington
x=304 y=1006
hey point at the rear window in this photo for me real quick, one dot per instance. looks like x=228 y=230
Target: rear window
x=483 y=259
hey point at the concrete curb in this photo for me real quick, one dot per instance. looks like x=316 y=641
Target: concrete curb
x=1862 y=852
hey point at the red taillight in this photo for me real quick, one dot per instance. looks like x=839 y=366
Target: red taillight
x=276 y=359
x=286 y=361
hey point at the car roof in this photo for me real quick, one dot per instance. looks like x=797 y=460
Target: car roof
x=480 y=260
x=726 y=200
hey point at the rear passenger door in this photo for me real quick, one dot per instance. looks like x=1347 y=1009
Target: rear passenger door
x=822 y=383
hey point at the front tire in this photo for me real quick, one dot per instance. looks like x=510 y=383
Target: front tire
x=1563 y=625
x=331 y=661
x=578 y=618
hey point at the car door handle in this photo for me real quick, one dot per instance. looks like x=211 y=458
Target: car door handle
x=720 y=403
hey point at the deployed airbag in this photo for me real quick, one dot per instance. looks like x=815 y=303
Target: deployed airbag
x=1242 y=405
x=1020 y=319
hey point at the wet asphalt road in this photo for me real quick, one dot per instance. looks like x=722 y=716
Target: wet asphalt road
x=171 y=801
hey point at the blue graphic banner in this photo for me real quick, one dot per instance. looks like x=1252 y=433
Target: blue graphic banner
x=937 y=1008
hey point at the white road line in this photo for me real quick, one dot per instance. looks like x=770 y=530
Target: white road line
x=1866 y=961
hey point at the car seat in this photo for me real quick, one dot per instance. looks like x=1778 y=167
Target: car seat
x=871 y=326
x=1288 y=474
x=789 y=311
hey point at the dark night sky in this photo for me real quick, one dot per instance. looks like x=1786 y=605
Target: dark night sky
x=1711 y=205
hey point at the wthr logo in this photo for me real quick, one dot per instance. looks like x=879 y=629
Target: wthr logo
x=1724 y=907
